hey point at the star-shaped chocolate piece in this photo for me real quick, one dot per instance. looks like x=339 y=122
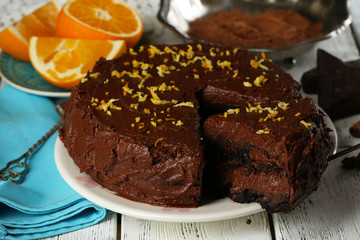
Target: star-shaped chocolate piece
x=337 y=84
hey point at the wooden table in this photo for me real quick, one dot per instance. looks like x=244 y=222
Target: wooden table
x=332 y=212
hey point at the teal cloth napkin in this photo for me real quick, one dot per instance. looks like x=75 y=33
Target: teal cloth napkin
x=43 y=204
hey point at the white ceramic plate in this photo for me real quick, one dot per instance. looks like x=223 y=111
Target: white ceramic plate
x=215 y=210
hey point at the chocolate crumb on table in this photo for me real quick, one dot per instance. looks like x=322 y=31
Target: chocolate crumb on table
x=238 y=29
x=349 y=163
x=355 y=130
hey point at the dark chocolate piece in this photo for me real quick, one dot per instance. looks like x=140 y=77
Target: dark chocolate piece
x=339 y=86
x=337 y=83
x=309 y=79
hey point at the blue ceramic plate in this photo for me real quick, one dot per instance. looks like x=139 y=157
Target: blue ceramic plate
x=21 y=75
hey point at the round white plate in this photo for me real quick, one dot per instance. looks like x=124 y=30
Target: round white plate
x=215 y=210
x=220 y=209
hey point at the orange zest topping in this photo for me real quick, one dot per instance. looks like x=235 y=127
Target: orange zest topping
x=159 y=140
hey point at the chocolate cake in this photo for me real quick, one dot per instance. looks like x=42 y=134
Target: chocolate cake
x=135 y=125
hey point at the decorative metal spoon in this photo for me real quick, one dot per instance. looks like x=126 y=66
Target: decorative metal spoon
x=16 y=169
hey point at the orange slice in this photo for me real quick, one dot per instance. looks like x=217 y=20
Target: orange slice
x=105 y=19
x=14 y=40
x=64 y=62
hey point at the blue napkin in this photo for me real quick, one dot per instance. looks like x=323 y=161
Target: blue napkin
x=43 y=204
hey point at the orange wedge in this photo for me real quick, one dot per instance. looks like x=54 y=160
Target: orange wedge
x=64 y=62
x=14 y=40
x=105 y=19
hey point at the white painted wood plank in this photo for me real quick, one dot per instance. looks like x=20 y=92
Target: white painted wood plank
x=251 y=227
x=104 y=230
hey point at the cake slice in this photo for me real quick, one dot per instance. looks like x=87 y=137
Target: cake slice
x=270 y=152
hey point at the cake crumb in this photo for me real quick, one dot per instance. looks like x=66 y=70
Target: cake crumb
x=355 y=130
x=353 y=162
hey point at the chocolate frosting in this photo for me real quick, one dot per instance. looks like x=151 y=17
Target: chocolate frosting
x=134 y=123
